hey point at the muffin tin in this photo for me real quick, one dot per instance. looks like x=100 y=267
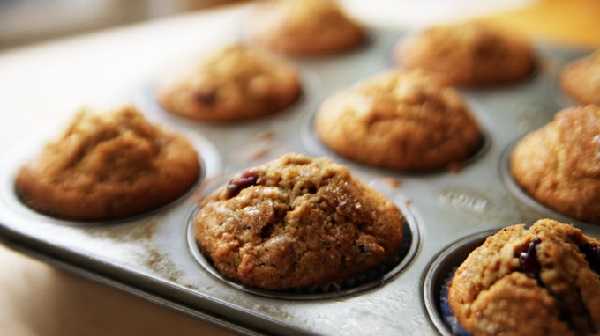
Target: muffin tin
x=152 y=256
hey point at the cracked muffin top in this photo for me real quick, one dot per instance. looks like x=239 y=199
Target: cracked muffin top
x=581 y=79
x=559 y=164
x=233 y=83
x=297 y=222
x=108 y=165
x=468 y=54
x=403 y=120
x=305 y=27
x=538 y=281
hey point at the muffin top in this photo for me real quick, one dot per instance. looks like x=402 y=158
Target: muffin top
x=559 y=164
x=305 y=27
x=297 y=222
x=233 y=83
x=538 y=281
x=402 y=120
x=468 y=54
x=581 y=79
x=108 y=165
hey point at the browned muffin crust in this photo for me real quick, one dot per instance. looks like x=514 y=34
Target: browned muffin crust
x=106 y=166
x=305 y=27
x=559 y=164
x=581 y=79
x=297 y=222
x=400 y=120
x=233 y=83
x=468 y=54
x=541 y=281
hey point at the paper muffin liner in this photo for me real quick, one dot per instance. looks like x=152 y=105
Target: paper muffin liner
x=371 y=278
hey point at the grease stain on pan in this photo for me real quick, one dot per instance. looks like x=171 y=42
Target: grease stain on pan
x=132 y=232
x=160 y=263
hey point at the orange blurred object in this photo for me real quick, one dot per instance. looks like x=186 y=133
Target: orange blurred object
x=573 y=22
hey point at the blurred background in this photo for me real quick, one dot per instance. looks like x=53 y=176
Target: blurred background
x=27 y=21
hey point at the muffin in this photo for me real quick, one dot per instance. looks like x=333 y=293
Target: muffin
x=305 y=28
x=538 y=281
x=559 y=164
x=297 y=222
x=233 y=83
x=581 y=79
x=106 y=166
x=468 y=54
x=403 y=120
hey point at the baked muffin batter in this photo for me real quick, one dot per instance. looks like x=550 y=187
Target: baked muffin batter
x=400 y=120
x=541 y=281
x=559 y=164
x=305 y=27
x=581 y=79
x=109 y=165
x=297 y=222
x=233 y=83
x=468 y=54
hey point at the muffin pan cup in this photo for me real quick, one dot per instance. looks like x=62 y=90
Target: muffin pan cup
x=151 y=255
x=437 y=277
x=369 y=279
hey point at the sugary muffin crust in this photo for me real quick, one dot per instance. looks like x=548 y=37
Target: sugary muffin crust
x=297 y=222
x=305 y=27
x=581 y=79
x=233 y=83
x=559 y=164
x=468 y=54
x=108 y=165
x=399 y=120
x=538 y=281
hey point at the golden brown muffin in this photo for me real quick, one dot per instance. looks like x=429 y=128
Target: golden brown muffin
x=559 y=164
x=106 y=166
x=541 y=281
x=305 y=27
x=297 y=222
x=400 y=120
x=234 y=83
x=581 y=79
x=468 y=54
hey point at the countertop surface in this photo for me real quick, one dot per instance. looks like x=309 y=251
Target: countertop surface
x=44 y=84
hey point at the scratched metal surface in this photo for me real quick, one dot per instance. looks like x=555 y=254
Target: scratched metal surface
x=149 y=255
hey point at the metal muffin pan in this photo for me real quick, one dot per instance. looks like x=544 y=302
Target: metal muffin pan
x=150 y=255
